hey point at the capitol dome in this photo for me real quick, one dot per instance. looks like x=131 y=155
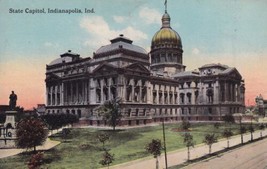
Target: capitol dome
x=166 y=49
x=166 y=35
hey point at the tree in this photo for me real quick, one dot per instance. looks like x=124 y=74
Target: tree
x=30 y=133
x=217 y=125
x=188 y=141
x=107 y=159
x=36 y=161
x=154 y=148
x=227 y=133
x=229 y=119
x=210 y=139
x=2 y=118
x=56 y=121
x=51 y=120
x=65 y=132
x=111 y=112
x=185 y=125
x=261 y=127
x=103 y=138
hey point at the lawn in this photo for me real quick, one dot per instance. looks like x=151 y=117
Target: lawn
x=83 y=150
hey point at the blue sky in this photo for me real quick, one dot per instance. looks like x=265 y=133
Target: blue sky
x=232 y=32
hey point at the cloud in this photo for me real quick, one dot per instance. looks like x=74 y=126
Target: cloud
x=100 y=32
x=195 y=51
x=150 y=16
x=119 y=19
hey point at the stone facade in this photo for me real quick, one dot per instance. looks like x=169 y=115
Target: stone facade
x=261 y=105
x=151 y=91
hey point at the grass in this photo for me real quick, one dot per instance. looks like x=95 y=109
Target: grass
x=83 y=150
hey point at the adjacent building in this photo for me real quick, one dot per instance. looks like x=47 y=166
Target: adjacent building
x=153 y=86
x=261 y=105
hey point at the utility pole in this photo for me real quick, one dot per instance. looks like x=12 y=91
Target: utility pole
x=164 y=142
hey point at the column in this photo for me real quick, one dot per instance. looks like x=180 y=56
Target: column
x=89 y=92
x=62 y=94
x=193 y=97
x=71 y=92
x=238 y=93
x=55 y=91
x=85 y=92
x=140 y=91
x=177 y=96
x=168 y=95
x=109 y=91
x=92 y=91
x=77 y=92
x=231 y=91
x=47 y=91
x=51 y=95
x=157 y=96
x=124 y=89
x=82 y=94
x=102 y=92
x=225 y=92
x=163 y=95
x=133 y=86
x=216 y=92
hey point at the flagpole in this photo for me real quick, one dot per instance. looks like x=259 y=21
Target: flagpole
x=165 y=3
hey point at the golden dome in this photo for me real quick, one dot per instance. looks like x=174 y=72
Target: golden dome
x=166 y=35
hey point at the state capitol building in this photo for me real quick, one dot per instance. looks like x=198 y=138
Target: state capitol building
x=152 y=86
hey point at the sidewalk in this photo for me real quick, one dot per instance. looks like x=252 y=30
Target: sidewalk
x=47 y=145
x=180 y=156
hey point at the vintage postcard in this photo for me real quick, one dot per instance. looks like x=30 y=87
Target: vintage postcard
x=133 y=84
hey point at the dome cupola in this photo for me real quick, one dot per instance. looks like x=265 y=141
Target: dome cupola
x=166 y=35
x=166 y=48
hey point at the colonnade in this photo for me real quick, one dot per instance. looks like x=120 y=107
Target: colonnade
x=165 y=94
x=136 y=90
x=68 y=93
x=105 y=89
x=230 y=92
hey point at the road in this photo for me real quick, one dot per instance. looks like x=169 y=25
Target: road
x=180 y=156
x=251 y=156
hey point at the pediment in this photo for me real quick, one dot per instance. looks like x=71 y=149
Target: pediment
x=137 y=67
x=232 y=72
x=52 y=77
x=105 y=67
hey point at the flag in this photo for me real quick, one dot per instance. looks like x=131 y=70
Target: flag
x=165 y=3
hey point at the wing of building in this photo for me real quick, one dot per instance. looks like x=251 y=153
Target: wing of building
x=150 y=91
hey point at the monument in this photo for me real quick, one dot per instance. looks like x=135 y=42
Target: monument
x=11 y=114
x=7 y=131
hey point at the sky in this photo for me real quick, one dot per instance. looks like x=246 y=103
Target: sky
x=231 y=32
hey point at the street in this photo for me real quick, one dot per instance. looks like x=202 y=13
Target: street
x=251 y=156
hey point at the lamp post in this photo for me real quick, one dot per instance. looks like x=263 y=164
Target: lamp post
x=164 y=142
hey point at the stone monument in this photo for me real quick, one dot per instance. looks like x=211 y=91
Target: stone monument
x=8 y=130
x=11 y=114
